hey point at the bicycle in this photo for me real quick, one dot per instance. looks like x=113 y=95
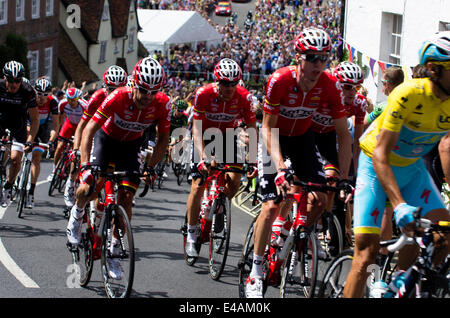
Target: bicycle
x=422 y=280
x=215 y=227
x=4 y=144
x=293 y=266
x=22 y=178
x=114 y=221
x=182 y=168
x=248 y=199
x=62 y=169
x=160 y=169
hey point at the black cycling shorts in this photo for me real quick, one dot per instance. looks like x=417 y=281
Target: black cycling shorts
x=304 y=159
x=327 y=146
x=122 y=155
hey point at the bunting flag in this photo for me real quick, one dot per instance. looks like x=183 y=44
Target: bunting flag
x=371 y=62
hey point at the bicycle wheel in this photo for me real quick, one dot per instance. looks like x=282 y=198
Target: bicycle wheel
x=54 y=183
x=86 y=257
x=181 y=175
x=334 y=280
x=64 y=175
x=333 y=239
x=220 y=236
x=23 y=188
x=299 y=271
x=121 y=256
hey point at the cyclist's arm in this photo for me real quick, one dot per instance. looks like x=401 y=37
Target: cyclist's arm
x=78 y=133
x=359 y=128
x=271 y=142
x=34 y=116
x=345 y=145
x=86 y=140
x=444 y=152
x=160 y=149
x=380 y=158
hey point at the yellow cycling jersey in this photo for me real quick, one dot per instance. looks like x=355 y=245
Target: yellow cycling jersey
x=418 y=115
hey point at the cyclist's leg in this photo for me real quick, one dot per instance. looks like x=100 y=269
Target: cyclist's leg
x=233 y=182
x=369 y=206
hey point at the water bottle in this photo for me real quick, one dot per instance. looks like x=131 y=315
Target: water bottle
x=398 y=281
x=276 y=230
x=380 y=290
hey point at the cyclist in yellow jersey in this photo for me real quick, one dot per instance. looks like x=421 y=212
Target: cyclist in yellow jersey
x=416 y=118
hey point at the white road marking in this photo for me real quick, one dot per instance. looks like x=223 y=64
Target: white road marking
x=10 y=264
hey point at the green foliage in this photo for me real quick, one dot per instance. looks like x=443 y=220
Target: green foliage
x=15 y=48
x=346 y=56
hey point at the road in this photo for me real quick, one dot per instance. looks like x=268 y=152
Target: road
x=241 y=8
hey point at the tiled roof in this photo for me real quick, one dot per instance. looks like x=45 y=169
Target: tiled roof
x=91 y=16
x=71 y=62
x=119 y=12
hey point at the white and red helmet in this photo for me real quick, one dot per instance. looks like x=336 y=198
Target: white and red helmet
x=313 y=39
x=349 y=73
x=115 y=76
x=149 y=74
x=73 y=93
x=227 y=70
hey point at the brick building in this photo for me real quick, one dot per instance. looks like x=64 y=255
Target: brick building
x=38 y=22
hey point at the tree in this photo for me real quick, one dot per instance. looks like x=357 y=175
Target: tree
x=15 y=48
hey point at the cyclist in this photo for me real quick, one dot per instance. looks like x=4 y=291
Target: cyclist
x=216 y=106
x=114 y=77
x=292 y=95
x=414 y=120
x=350 y=77
x=71 y=108
x=116 y=130
x=17 y=100
x=178 y=119
x=48 y=121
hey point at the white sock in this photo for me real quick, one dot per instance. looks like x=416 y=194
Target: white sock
x=77 y=212
x=192 y=233
x=257 y=266
x=69 y=183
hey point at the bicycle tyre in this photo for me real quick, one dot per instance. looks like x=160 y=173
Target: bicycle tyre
x=180 y=176
x=117 y=288
x=86 y=259
x=23 y=189
x=65 y=173
x=54 y=183
x=336 y=274
x=219 y=236
x=303 y=285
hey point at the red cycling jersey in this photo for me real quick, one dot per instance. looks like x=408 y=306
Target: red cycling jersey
x=215 y=113
x=357 y=109
x=50 y=107
x=294 y=108
x=94 y=103
x=122 y=120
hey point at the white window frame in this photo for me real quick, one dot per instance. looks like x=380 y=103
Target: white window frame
x=105 y=13
x=131 y=40
x=35 y=9
x=33 y=64
x=20 y=10
x=49 y=6
x=3 y=11
x=102 y=56
x=444 y=26
x=48 y=62
x=396 y=38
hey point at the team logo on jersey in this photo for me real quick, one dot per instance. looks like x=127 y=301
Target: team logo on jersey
x=296 y=112
x=220 y=117
x=444 y=122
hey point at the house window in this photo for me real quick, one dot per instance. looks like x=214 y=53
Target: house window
x=20 y=10
x=48 y=8
x=35 y=6
x=33 y=64
x=102 y=56
x=48 y=62
x=3 y=11
x=105 y=14
x=444 y=26
x=131 y=41
x=396 y=39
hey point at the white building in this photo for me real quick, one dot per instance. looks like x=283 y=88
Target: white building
x=391 y=31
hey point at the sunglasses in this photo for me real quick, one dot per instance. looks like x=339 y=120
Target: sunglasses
x=43 y=94
x=445 y=64
x=145 y=91
x=349 y=87
x=385 y=81
x=73 y=99
x=14 y=80
x=313 y=58
x=228 y=84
